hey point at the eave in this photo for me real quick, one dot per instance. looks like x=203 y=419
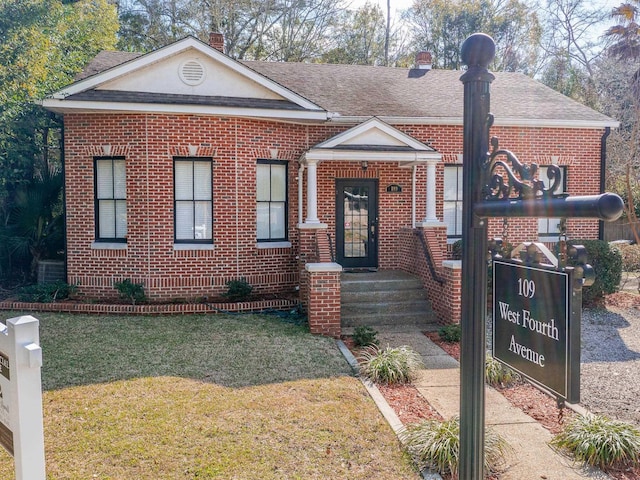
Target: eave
x=499 y=121
x=70 y=106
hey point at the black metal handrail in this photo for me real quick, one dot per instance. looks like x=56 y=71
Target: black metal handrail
x=429 y=259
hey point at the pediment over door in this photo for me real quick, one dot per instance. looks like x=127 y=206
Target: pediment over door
x=373 y=140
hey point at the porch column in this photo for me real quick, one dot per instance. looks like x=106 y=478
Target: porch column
x=312 y=192
x=431 y=218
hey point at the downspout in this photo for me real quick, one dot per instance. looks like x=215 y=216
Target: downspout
x=237 y=199
x=64 y=199
x=147 y=195
x=300 y=192
x=603 y=169
x=414 y=170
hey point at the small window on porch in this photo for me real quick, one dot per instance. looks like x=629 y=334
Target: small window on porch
x=549 y=228
x=452 y=213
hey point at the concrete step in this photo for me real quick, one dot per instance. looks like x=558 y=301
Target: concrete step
x=423 y=319
x=385 y=297
x=381 y=308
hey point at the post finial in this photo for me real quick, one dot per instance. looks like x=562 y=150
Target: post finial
x=478 y=50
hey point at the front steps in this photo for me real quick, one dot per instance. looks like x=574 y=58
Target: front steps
x=386 y=297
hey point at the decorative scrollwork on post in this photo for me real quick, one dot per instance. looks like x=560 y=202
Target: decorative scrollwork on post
x=522 y=181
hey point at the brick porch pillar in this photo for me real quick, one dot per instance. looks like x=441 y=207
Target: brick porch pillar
x=323 y=288
x=308 y=253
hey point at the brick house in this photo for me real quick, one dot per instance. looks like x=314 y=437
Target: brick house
x=186 y=169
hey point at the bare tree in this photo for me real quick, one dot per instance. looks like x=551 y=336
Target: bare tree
x=570 y=47
x=626 y=48
x=441 y=26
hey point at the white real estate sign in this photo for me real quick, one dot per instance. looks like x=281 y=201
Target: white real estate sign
x=21 y=426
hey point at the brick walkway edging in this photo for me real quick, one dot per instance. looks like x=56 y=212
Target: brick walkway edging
x=153 y=309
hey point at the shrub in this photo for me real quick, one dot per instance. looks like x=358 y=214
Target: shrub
x=391 y=365
x=364 y=336
x=601 y=442
x=630 y=257
x=46 y=292
x=437 y=445
x=497 y=374
x=607 y=265
x=450 y=333
x=134 y=292
x=238 y=290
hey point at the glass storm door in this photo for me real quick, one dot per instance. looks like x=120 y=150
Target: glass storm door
x=357 y=223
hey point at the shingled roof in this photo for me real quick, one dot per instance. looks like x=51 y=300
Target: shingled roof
x=399 y=94
x=356 y=90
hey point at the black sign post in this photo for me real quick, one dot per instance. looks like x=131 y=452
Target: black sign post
x=493 y=187
x=477 y=52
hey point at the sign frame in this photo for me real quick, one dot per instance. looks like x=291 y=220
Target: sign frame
x=21 y=401
x=542 y=328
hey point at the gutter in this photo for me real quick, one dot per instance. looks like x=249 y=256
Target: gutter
x=499 y=121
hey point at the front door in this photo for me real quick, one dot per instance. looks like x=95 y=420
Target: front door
x=357 y=223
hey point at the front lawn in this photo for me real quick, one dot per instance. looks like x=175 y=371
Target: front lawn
x=194 y=397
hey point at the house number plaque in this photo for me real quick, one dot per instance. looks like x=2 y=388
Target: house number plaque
x=532 y=328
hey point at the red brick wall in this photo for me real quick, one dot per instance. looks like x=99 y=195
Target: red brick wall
x=324 y=302
x=149 y=143
x=444 y=290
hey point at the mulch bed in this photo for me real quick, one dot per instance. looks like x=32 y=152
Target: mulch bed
x=411 y=406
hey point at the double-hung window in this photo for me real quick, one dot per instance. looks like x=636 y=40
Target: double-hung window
x=110 y=187
x=549 y=228
x=452 y=208
x=271 y=200
x=193 y=203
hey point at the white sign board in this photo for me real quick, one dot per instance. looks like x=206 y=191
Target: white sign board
x=21 y=426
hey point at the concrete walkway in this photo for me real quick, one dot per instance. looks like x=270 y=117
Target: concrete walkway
x=439 y=383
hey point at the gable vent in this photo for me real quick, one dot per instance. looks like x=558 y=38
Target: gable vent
x=192 y=72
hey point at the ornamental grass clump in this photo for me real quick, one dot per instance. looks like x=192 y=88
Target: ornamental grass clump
x=600 y=441
x=497 y=374
x=392 y=365
x=436 y=445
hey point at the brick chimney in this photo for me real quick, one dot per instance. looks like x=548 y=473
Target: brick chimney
x=423 y=60
x=216 y=40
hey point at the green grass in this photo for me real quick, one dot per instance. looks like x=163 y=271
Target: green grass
x=194 y=397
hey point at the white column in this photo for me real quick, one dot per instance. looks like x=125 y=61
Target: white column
x=431 y=192
x=312 y=192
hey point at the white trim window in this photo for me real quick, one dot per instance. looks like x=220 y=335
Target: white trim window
x=271 y=197
x=549 y=228
x=110 y=187
x=193 y=200
x=452 y=207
